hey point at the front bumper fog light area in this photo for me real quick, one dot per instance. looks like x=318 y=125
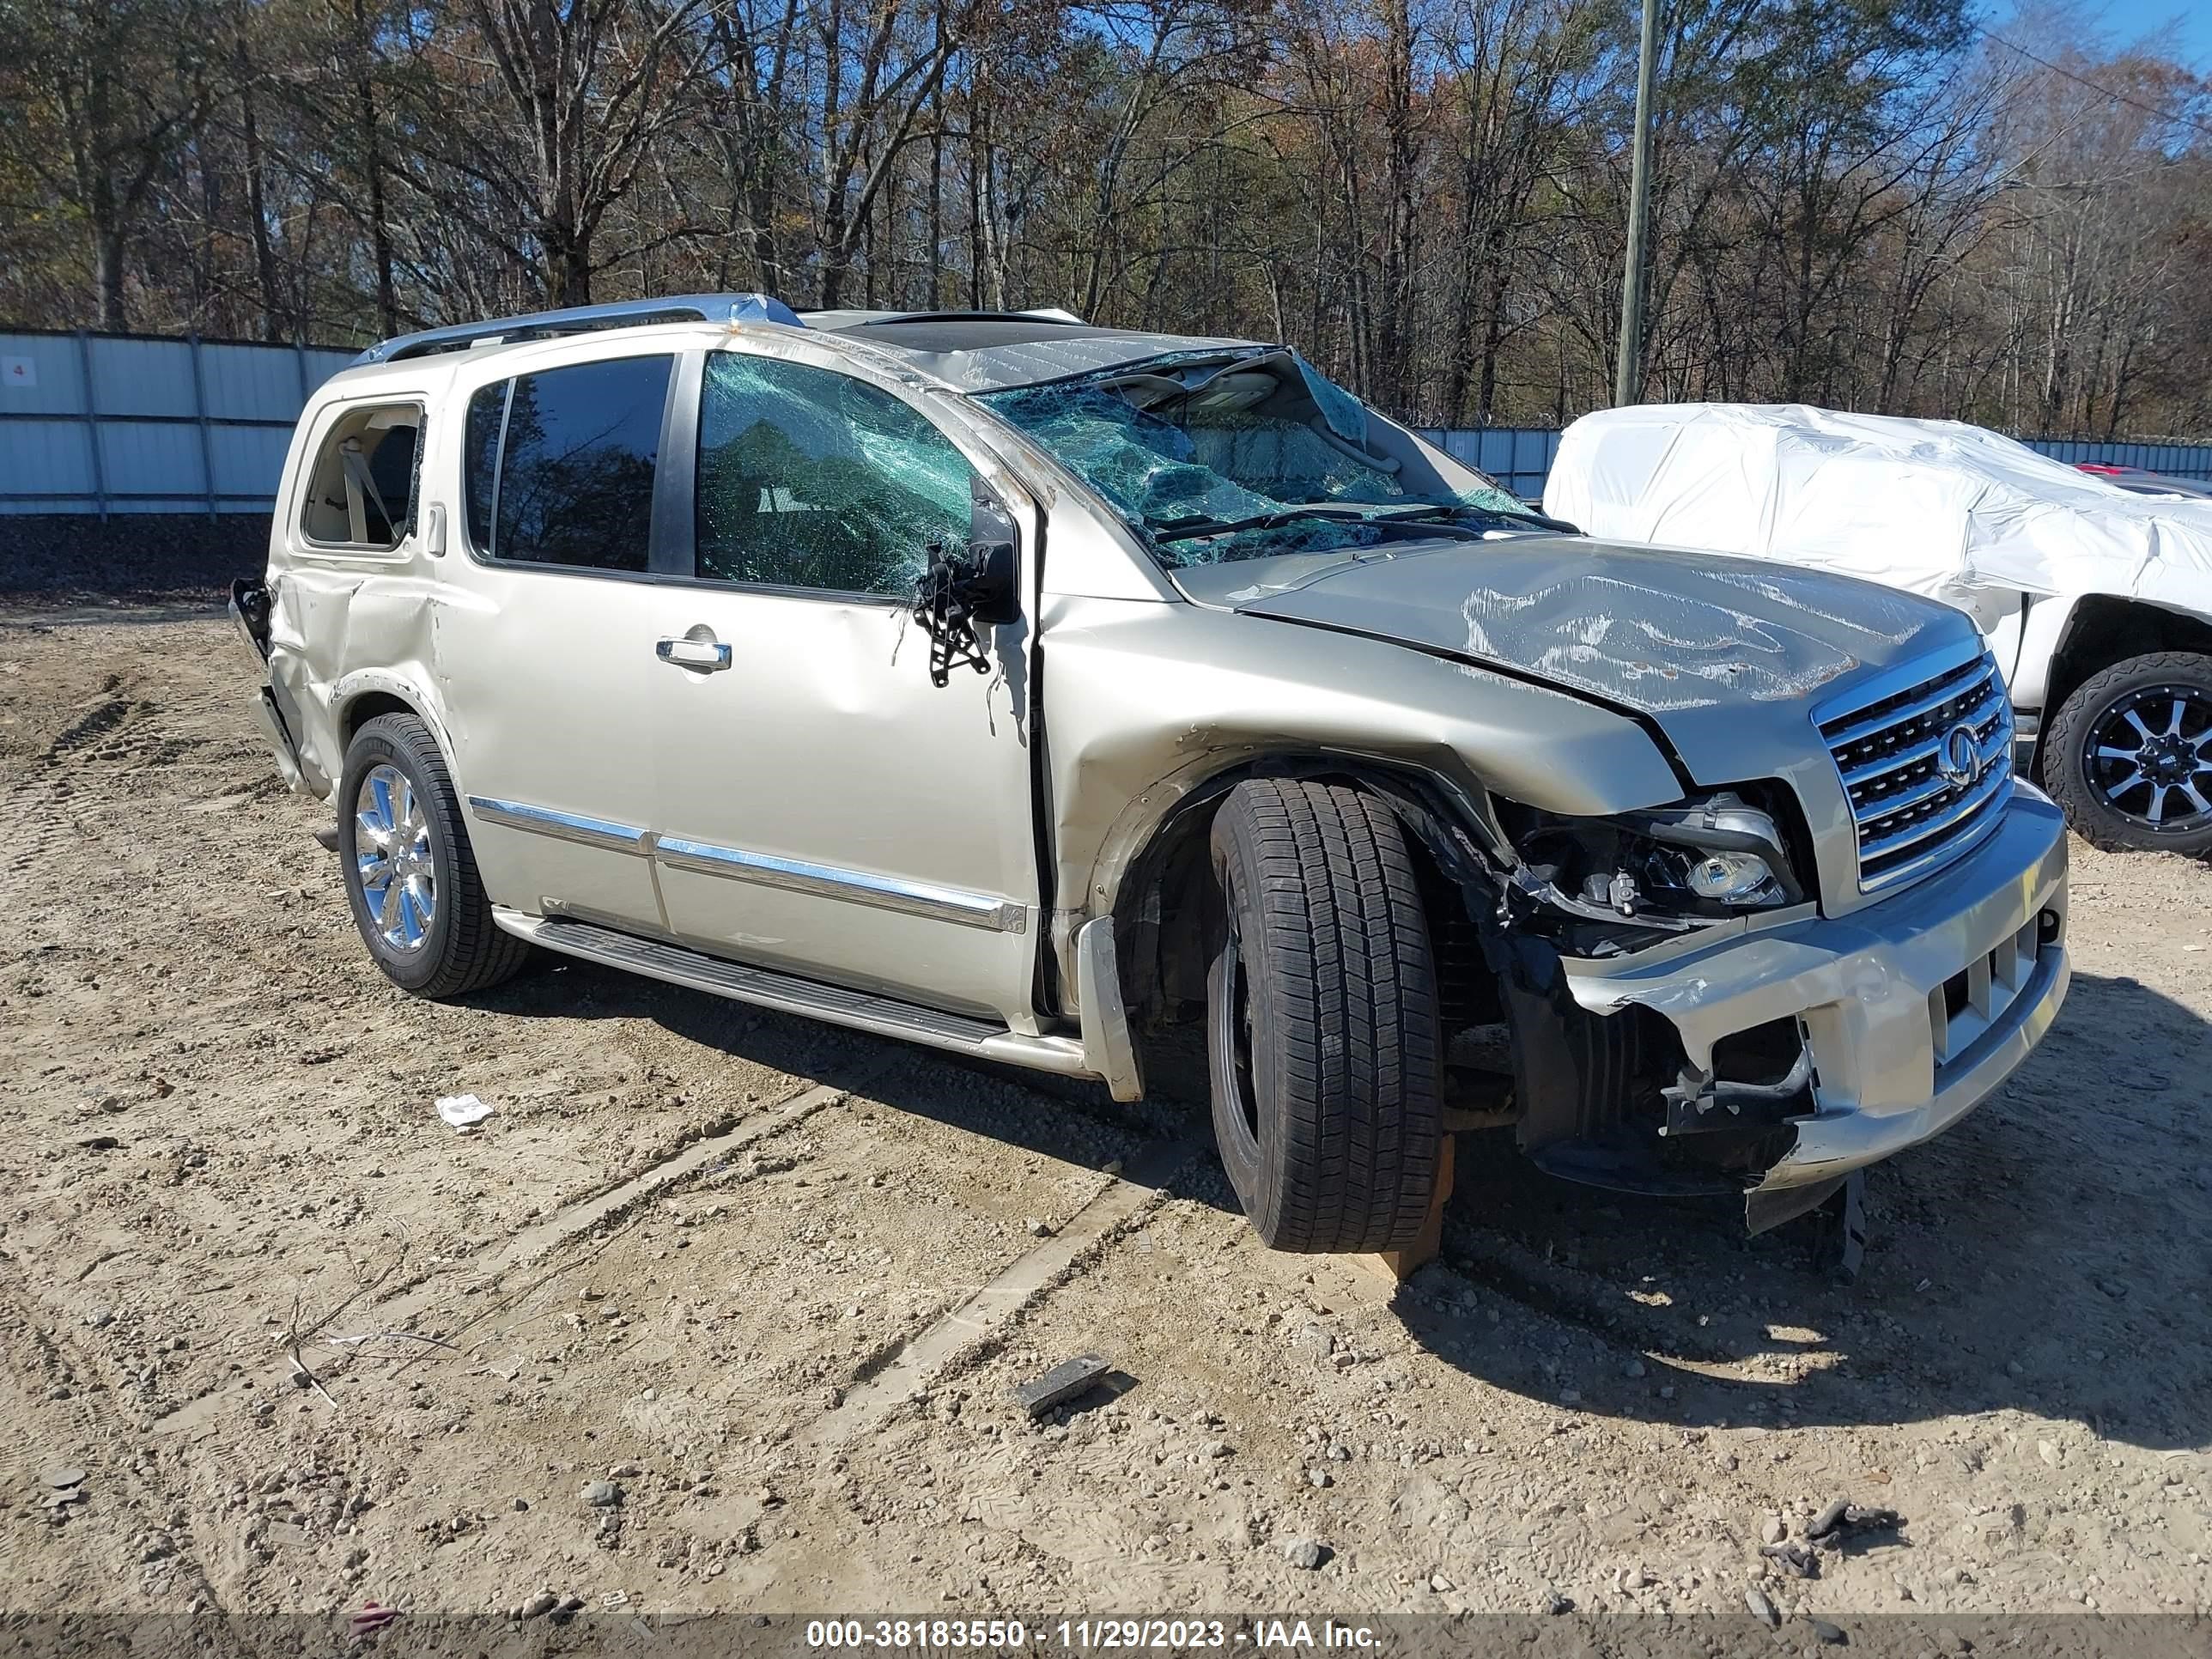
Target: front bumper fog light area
x=1731 y=877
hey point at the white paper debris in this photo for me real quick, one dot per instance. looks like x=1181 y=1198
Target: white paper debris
x=464 y=1112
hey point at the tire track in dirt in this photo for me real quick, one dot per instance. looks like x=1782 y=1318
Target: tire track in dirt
x=973 y=1327
x=120 y=735
x=122 y=1527
x=565 y=1226
x=35 y=816
x=882 y=1384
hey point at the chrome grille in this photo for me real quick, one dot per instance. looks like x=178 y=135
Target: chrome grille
x=1910 y=813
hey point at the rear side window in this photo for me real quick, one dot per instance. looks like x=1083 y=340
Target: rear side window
x=361 y=493
x=808 y=478
x=487 y=414
x=560 y=464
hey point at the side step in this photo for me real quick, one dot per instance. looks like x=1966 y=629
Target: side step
x=788 y=993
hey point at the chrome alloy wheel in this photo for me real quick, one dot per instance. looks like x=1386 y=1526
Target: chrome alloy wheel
x=2150 y=757
x=393 y=855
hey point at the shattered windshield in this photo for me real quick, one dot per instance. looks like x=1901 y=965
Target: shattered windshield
x=1217 y=458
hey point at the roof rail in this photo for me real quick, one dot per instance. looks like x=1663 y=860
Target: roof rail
x=583 y=319
x=1044 y=314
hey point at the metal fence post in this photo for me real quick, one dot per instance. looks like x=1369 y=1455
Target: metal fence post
x=200 y=414
x=92 y=424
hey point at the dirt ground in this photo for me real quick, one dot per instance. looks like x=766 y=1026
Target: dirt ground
x=771 y=1284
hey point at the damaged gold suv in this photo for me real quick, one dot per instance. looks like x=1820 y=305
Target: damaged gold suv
x=1055 y=695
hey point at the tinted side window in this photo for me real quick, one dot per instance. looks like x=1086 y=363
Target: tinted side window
x=480 y=458
x=808 y=479
x=575 y=472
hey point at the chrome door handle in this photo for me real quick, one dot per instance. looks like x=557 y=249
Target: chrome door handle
x=709 y=654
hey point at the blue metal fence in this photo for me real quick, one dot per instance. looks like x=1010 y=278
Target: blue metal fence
x=1521 y=458
x=2175 y=460
x=140 y=424
x=1518 y=457
x=143 y=423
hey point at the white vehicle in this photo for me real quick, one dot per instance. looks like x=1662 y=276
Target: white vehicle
x=2097 y=603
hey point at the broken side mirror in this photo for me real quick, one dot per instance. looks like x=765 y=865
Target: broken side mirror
x=967 y=589
x=995 y=596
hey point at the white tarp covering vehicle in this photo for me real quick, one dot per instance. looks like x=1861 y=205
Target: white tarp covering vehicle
x=2097 y=603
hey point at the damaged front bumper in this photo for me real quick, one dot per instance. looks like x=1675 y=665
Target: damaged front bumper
x=1912 y=1010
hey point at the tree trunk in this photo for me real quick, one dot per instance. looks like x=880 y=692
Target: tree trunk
x=107 y=276
x=257 y=208
x=835 y=262
x=1493 y=339
x=976 y=193
x=571 y=258
x=380 y=232
x=936 y=177
x=204 y=309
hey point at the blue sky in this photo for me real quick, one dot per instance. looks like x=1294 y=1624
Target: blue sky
x=2116 y=23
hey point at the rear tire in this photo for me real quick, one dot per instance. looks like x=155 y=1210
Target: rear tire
x=395 y=775
x=2118 y=726
x=1323 y=1040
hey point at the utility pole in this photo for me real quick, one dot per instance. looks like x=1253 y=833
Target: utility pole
x=1628 y=373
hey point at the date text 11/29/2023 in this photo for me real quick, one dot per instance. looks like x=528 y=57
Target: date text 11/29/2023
x=1015 y=1636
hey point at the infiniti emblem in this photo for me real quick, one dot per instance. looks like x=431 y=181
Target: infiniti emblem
x=1960 y=757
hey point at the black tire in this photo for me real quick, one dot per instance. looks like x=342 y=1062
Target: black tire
x=462 y=949
x=1323 y=1040
x=2085 y=783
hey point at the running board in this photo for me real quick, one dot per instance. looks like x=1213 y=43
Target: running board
x=788 y=993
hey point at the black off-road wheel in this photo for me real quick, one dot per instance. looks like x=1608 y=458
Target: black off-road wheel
x=410 y=875
x=2129 y=756
x=1323 y=1043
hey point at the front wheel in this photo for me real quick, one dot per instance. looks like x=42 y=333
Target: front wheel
x=410 y=874
x=1324 y=1048
x=2129 y=756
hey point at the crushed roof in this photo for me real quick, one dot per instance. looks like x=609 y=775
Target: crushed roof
x=994 y=354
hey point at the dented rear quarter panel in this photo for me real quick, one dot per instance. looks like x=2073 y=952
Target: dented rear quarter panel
x=345 y=623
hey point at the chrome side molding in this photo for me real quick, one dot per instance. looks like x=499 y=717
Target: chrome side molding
x=826 y=881
x=764 y=869
x=562 y=826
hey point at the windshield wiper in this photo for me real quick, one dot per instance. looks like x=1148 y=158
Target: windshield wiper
x=1446 y=513
x=1194 y=525
x=1453 y=511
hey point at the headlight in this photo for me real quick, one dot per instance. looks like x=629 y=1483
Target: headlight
x=1703 y=861
x=1733 y=878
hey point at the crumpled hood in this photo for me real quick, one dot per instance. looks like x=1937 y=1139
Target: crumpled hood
x=1729 y=656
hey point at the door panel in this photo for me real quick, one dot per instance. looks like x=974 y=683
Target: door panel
x=548 y=676
x=549 y=655
x=823 y=808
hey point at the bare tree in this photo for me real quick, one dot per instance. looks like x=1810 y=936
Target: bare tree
x=102 y=94
x=1859 y=202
